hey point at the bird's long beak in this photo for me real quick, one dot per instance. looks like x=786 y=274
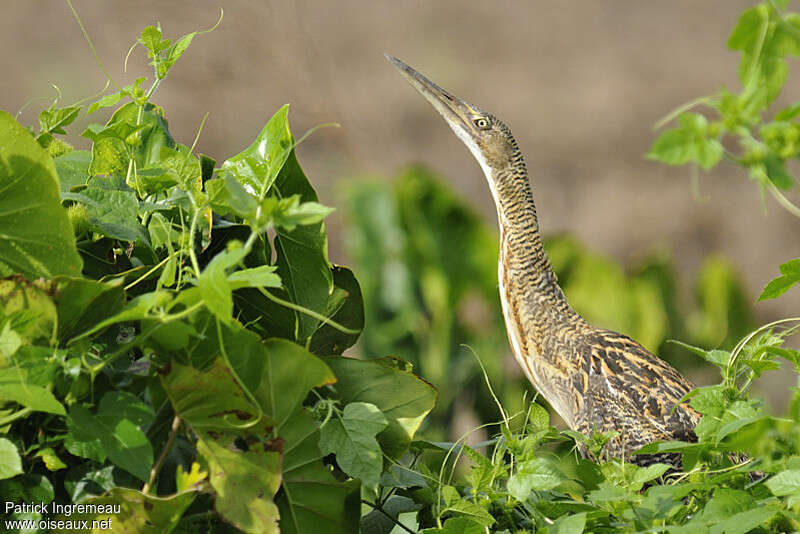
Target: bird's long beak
x=455 y=111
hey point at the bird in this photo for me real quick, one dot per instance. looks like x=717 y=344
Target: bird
x=597 y=380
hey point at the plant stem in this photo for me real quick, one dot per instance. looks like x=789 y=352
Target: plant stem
x=176 y=424
x=14 y=416
x=310 y=313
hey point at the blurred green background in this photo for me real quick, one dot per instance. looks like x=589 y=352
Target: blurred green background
x=638 y=246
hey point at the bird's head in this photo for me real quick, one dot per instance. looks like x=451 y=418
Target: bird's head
x=489 y=140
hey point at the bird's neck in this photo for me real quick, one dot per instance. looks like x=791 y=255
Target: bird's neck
x=530 y=284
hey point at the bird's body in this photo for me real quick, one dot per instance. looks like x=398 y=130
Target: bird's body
x=596 y=379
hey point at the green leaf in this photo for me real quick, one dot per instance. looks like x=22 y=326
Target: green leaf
x=302 y=253
x=73 y=169
x=259 y=164
x=53 y=120
x=33 y=315
x=538 y=474
x=453 y=502
x=784 y=483
x=310 y=499
x=145 y=514
x=352 y=439
x=15 y=388
x=51 y=459
x=245 y=482
x=646 y=474
x=778 y=286
x=114 y=432
x=387 y=383
x=35 y=234
x=458 y=525
x=377 y=522
x=744 y=522
x=777 y=173
x=214 y=285
x=346 y=307
x=289 y=374
x=174 y=52
x=289 y=213
x=105 y=102
x=10 y=461
x=82 y=303
x=209 y=400
x=152 y=41
x=263 y=276
x=789 y=112
x=111 y=207
x=568 y=524
x=226 y=195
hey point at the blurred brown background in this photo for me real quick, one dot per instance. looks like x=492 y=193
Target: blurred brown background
x=580 y=83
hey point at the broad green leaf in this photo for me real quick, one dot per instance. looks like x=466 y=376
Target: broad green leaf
x=114 y=432
x=458 y=525
x=646 y=474
x=210 y=400
x=73 y=169
x=568 y=524
x=174 y=166
x=404 y=398
x=784 y=483
x=290 y=373
x=226 y=195
x=346 y=307
x=744 y=522
x=10 y=342
x=352 y=439
x=310 y=499
x=139 y=513
x=674 y=147
x=245 y=482
x=455 y=503
x=82 y=303
x=538 y=474
x=259 y=164
x=35 y=235
x=111 y=207
x=15 y=388
x=302 y=253
x=10 y=461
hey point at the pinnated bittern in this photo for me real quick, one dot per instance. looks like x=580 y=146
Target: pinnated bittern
x=596 y=379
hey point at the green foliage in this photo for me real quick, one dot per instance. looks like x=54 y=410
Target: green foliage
x=744 y=127
x=140 y=289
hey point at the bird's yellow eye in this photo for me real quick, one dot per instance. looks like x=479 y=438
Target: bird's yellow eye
x=481 y=123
